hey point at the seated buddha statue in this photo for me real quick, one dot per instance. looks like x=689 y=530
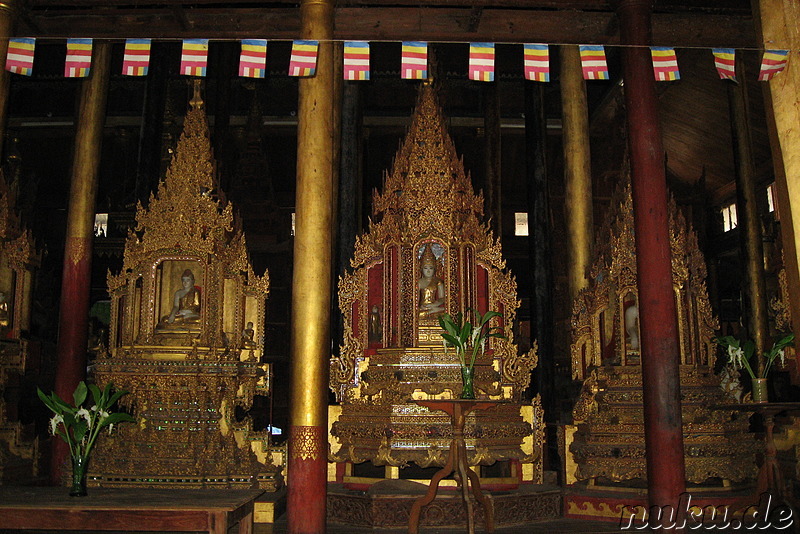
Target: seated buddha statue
x=431 y=287
x=248 y=333
x=185 y=303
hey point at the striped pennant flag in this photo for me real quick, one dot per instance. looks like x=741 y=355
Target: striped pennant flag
x=304 y=58
x=79 y=58
x=772 y=63
x=593 y=62
x=536 y=61
x=725 y=62
x=414 y=60
x=194 y=57
x=20 y=55
x=356 y=60
x=253 y=58
x=136 y=60
x=665 y=64
x=481 y=62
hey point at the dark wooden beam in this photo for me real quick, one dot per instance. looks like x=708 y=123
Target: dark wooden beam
x=689 y=29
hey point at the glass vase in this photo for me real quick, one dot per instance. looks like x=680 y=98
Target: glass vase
x=78 y=488
x=467 y=378
x=760 y=390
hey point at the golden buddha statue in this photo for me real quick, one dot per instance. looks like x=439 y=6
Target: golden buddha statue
x=186 y=303
x=431 y=287
x=248 y=335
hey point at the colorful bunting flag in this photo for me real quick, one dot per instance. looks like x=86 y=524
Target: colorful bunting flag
x=136 y=60
x=536 y=62
x=19 y=59
x=772 y=63
x=414 y=60
x=593 y=62
x=194 y=57
x=356 y=60
x=79 y=58
x=725 y=62
x=304 y=58
x=665 y=64
x=481 y=62
x=253 y=58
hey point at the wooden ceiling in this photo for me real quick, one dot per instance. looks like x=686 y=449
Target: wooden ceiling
x=675 y=22
x=695 y=122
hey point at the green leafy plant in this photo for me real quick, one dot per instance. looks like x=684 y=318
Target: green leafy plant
x=79 y=425
x=467 y=338
x=740 y=353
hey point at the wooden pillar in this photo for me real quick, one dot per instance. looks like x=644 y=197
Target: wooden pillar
x=539 y=245
x=74 y=311
x=778 y=26
x=577 y=168
x=657 y=311
x=148 y=168
x=311 y=283
x=494 y=188
x=752 y=247
x=8 y=16
x=349 y=198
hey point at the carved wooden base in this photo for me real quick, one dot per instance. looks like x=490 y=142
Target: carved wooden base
x=387 y=510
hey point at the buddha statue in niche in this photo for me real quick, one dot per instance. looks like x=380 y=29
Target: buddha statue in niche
x=431 y=287
x=185 y=303
x=632 y=322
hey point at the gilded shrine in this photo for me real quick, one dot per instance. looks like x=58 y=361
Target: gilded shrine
x=427 y=252
x=608 y=444
x=186 y=339
x=20 y=356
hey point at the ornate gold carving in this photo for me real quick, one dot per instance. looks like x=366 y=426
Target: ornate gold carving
x=20 y=456
x=185 y=382
x=427 y=204
x=77 y=249
x=779 y=304
x=307 y=442
x=609 y=442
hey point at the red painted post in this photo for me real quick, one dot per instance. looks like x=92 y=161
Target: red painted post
x=657 y=312
x=73 y=323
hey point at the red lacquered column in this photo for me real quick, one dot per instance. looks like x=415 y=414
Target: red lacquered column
x=657 y=313
x=311 y=284
x=73 y=321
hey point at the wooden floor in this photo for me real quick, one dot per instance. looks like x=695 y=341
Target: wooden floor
x=560 y=526
x=547 y=527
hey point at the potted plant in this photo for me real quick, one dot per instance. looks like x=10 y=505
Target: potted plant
x=79 y=426
x=468 y=339
x=740 y=353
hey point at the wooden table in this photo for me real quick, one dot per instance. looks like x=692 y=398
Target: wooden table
x=130 y=510
x=769 y=475
x=456 y=463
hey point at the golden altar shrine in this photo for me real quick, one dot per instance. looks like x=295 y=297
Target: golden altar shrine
x=186 y=339
x=427 y=252
x=608 y=443
x=19 y=356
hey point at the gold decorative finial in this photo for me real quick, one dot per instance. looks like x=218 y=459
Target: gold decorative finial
x=197 y=100
x=428 y=258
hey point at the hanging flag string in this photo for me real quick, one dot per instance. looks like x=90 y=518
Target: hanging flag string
x=356 y=59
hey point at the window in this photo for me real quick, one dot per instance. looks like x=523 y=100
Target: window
x=771 y=197
x=521 y=223
x=729 y=220
x=293 y=217
x=101 y=224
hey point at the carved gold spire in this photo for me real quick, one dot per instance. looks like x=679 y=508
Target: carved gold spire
x=427 y=190
x=184 y=215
